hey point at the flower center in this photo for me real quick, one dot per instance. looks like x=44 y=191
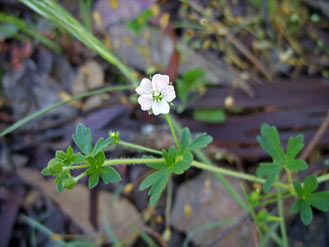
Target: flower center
x=157 y=96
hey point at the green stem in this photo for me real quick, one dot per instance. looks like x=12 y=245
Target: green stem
x=169 y=201
x=290 y=179
x=47 y=109
x=233 y=173
x=172 y=130
x=268 y=196
x=29 y=29
x=77 y=178
x=131 y=161
x=223 y=171
x=275 y=199
x=66 y=168
x=282 y=221
x=139 y=147
x=323 y=178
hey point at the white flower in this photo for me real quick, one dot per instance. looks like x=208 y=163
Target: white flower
x=155 y=95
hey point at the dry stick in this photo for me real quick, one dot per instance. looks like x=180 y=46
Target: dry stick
x=236 y=42
x=93 y=205
x=309 y=148
x=316 y=138
x=240 y=46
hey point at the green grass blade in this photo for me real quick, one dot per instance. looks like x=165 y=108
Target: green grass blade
x=106 y=224
x=37 y=225
x=29 y=29
x=204 y=227
x=47 y=109
x=54 y=12
x=147 y=239
x=271 y=233
x=85 y=13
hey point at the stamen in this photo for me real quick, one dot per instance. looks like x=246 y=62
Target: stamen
x=157 y=96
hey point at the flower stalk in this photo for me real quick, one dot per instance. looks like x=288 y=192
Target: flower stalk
x=173 y=132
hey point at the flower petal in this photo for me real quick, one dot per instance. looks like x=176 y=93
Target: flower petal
x=169 y=93
x=145 y=87
x=159 y=82
x=145 y=101
x=161 y=107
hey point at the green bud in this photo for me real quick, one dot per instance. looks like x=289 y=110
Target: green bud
x=69 y=183
x=61 y=155
x=45 y=172
x=55 y=167
x=115 y=135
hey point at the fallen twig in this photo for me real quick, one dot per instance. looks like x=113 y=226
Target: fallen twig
x=316 y=138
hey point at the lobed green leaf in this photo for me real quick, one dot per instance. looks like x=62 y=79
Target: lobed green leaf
x=157 y=166
x=157 y=181
x=265 y=168
x=185 y=138
x=184 y=164
x=296 y=165
x=101 y=144
x=306 y=213
x=319 y=200
x=295 y=207
x=83 y=139
x=270 y=142
x=310 y=184
x=109 y=174
x=93 y=180
x=295 y=145
x=99 y=159
x=149 y=180
x=201 y=141
x=298 y=188
x=270 y=180
x=156 y=190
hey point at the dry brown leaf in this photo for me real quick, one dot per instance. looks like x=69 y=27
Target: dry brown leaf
x=122 y=215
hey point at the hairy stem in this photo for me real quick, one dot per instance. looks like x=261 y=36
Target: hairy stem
x=77 y=178
x=76 y=167
x=169 y=201
x=290 y=179
x=323 y=178
x=219 y=170
x=234 y=173
x=172 y=129
x=139 y=147
x=131 y=161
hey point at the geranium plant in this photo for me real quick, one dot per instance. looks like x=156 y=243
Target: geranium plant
x=155 y=96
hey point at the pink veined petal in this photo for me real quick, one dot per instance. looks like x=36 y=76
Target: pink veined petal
x=169 y=93
x=161 y=107
x=145 y=101
x=145 y=87
x=159 y=82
